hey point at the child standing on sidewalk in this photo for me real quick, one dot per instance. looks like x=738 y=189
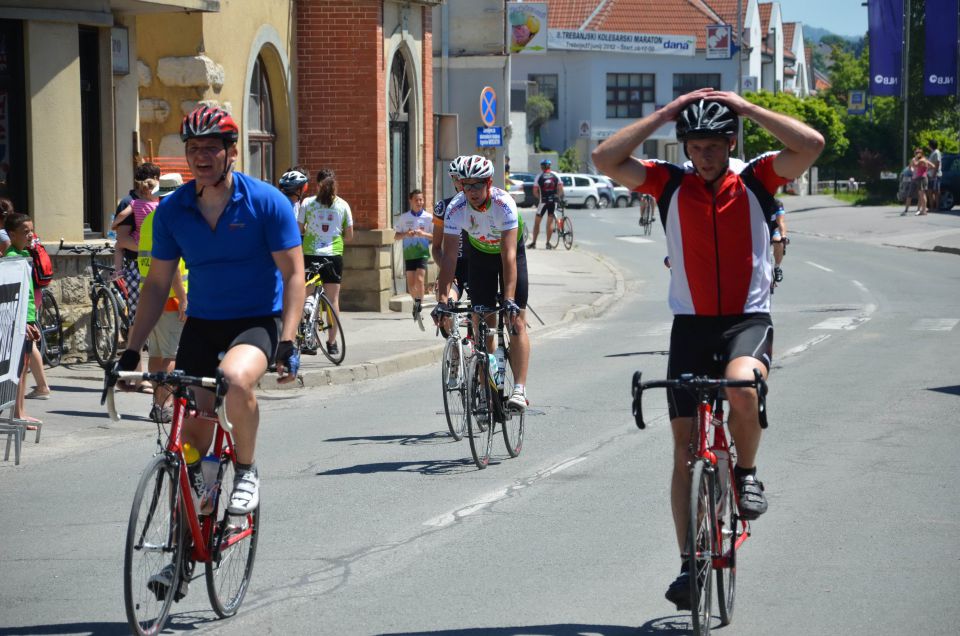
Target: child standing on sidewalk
x=19 y=228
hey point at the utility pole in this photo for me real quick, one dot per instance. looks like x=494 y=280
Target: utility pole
x=904 y=82
x=740 y=69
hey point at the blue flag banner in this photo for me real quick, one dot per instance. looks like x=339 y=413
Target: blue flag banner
x=885 y=18
x=940 y=56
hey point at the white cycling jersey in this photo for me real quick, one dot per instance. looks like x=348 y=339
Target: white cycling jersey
x=483 y=227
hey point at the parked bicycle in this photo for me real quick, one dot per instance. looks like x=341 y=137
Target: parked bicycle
x=648 y=207
x=51 y=329
x=487 y=392
x=170 y=528
x=457 y=353
x=110 y=317
x=319 y=319
x=715 y=530
x=564 y=228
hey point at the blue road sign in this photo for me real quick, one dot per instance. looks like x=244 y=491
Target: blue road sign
x=489 y=137
x=488 y=106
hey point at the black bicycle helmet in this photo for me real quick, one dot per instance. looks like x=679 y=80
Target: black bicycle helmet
x=705 y=119
x=292 y=181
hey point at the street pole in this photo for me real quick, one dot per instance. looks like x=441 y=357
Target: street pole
x=740 y=69
x=904 y=83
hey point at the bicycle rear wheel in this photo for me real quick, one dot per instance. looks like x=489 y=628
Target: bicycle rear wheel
x=328 y=319
x=514 y=422
x=727 y=576
x=554 y=239
x=567 y=232
x=51 y=330
x=700 y=545
x=480 y=421
x=155 y=543
x=105 y=327
x=453 y=383
x=233 y=546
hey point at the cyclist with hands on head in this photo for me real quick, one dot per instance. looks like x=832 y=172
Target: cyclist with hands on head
x=241 y=245
x=718 y=235
x=495 y=259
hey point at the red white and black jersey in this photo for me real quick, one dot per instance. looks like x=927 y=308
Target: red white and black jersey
x=549 y=184
x=717 y=241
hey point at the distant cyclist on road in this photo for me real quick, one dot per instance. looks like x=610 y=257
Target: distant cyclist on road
x=436 y=246
x=496 y=259
x=779 y=238
x=718 y=237
x=241 y=244
x=549 y=190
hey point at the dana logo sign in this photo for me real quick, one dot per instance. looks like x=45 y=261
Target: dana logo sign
x=884 y=80
x=940 y=80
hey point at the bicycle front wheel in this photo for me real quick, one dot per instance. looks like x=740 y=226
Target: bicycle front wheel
x=567 y=233
x=327 y=324
x=51 y=330
x=514 y=421
x=480 y=419
x=647 y=217
x=727 y=576
x=453 y=383
x=233 y=546
x=700 y=545
x=105 y=327
x=154 y=548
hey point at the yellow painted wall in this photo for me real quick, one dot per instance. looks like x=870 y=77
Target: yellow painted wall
x=54 y=129
x=226 y=38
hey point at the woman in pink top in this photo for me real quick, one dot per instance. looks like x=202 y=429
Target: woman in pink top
x=918 y=186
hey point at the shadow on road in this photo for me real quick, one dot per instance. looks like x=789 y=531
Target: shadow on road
x=637 y=353
x=950 y=390
x=106 y=629
x=427 y=467
x=676 y=625
x=405 y=440
x=63 y=388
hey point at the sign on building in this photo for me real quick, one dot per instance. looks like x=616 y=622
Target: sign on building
x=649 y=43
x=750 y=84
x=527 y=27
x=491 y=137
x=719 y=41
x=857 y=102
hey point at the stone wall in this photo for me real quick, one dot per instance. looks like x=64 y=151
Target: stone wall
x=71 y=288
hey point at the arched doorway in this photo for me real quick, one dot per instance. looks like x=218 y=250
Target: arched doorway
x=400 y=107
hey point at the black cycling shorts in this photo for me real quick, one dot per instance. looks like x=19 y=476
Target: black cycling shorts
x=202 y=341
x=413 y=264
x=485 y=277
x=333 y=274
x=549 y=207
x=697 y=341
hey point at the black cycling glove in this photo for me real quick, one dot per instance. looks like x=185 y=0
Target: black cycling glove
x=511 y=307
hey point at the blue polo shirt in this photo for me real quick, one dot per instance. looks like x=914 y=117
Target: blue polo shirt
x=232 y=273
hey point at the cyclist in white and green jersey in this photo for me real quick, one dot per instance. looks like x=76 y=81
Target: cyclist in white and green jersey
x=326 y=222
x=415 y=229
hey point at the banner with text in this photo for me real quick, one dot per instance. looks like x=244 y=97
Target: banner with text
x=610 y=41
x=885 y=23
x=527 y=27
x=14 y=296
x=940 y=59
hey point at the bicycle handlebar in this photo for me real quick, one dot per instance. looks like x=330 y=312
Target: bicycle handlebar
x=175 y=378
x=698 y=385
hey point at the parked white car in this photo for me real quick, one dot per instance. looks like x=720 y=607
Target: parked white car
x=604 y=188
x=580 y=190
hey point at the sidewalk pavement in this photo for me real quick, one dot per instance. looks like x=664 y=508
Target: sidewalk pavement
x=824 y=216
x=565 y=286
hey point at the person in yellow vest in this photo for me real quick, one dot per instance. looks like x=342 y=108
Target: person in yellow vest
x=165 y=337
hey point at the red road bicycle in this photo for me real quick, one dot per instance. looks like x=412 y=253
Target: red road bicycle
x=715 y=530
x=170 y=530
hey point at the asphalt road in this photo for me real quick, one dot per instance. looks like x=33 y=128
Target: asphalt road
x=375 y=522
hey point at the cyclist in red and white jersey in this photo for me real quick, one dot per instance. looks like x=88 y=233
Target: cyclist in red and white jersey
x=495 y=259
x=718 y=237
x=548 y=188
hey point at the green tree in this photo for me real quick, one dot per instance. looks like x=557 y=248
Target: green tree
x=569 y=162
x=539 y=109
x=813 y=111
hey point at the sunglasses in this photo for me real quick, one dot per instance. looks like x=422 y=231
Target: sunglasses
x=476 y=187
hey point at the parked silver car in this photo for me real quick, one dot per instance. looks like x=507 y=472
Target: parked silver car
x=579 y=189
x=604 y=189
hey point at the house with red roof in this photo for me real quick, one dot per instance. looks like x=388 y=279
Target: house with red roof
x=600 y=75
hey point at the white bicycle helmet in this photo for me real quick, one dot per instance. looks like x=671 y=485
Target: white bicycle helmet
x=292 y=181
x=475 y=167
x=454 y=169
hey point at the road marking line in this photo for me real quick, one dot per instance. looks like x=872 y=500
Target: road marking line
x=803 y=347
x=500 y=494
x=934 y=324
x=842 y=322
x=826 y=269
x=634 y=239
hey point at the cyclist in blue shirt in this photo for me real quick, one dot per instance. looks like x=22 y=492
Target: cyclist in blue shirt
x=242 y=247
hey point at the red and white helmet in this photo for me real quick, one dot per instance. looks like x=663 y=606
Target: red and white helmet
x=207 y=121
x=475 y=167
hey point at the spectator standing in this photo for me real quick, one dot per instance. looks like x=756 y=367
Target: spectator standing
x=6 y=208
x=293 y=184
x=934 y=175
x=19 y=228
x=414 y=228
